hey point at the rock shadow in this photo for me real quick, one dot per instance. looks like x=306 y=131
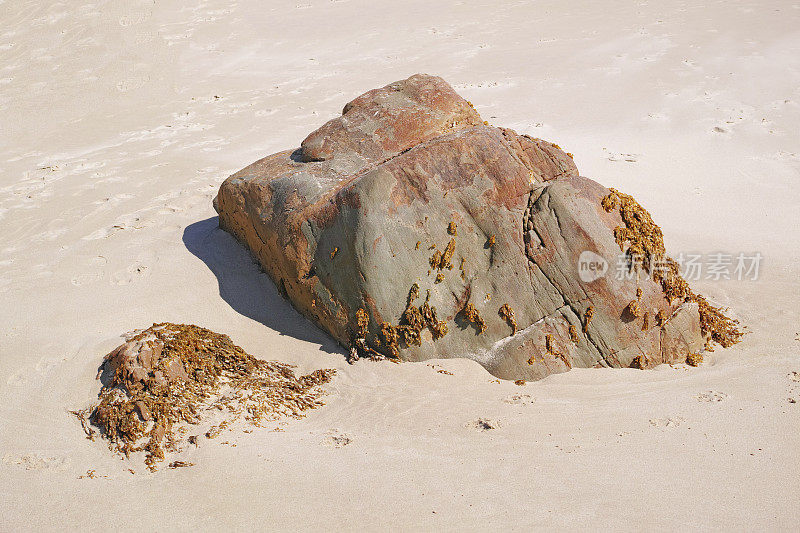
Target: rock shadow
x=246 y=288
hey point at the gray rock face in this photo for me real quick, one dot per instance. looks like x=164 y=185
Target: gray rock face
x=409 y=228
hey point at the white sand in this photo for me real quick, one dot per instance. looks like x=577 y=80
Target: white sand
x=113 y=143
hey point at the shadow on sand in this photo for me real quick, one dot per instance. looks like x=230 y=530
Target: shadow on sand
x=247 y=289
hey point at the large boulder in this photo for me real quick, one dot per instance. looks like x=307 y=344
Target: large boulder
x=410 y=228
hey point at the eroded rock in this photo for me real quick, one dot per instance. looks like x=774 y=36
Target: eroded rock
x=409 y=228
x=170 y=377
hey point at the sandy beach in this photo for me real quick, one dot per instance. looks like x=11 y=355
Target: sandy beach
x=120 y=120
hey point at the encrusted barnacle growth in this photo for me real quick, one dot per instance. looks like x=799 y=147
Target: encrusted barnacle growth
x=409 y=335
x=169 y=375
x=411 y=322
x=640 y=362
x=573 y=333
x=610 y=201
x=441 y=260
x=359 y=346
x=438 y=328
x=435 y=260
x=413 y=294
x=646 y=242
x=387 y=336
x=550 y=348
x=673 y=285
x=722 y=328
x=645 y=239
x=694 y=359
x=633 y=309
x=415 y=319
x=362 y=323
x=507 y=314
x=587 y=317
x=412 y=317
x=471 y=315
x=548 y=344
x=447 y=256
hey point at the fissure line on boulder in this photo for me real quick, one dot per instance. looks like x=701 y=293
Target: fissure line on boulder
x=565 y=301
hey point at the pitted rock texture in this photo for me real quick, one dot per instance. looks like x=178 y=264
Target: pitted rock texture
x=410 y=228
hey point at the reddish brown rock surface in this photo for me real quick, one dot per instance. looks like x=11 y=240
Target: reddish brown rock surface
x=409 y=191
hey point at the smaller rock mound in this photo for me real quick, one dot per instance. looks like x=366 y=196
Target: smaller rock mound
x=173 y=375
